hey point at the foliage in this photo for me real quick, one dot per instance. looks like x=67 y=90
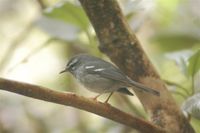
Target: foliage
x=170 y=30
x=194 y=64
x=68 y=13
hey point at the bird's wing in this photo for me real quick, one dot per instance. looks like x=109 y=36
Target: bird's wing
x=105 y=69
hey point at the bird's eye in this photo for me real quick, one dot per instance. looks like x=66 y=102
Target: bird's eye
x=73 y=67
x=72 y=63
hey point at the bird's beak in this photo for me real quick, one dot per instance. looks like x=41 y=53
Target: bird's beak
x=63 y=71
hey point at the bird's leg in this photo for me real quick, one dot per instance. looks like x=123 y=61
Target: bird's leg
x=95 y=98
x=108 y=97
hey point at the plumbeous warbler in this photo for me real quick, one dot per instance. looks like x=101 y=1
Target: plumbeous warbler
x=101 y=77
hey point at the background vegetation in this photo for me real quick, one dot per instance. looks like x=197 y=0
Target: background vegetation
x=37 y=38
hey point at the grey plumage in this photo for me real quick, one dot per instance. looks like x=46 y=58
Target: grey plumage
x=102 y=77
x=125 y=91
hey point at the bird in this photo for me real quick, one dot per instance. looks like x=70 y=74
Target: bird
x=100 y=76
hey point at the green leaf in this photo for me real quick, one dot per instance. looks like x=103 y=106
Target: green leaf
x=194 y=63
x=168 y=8
x=58 y=29
x=192 y=106
x=68 y=13
x=170 y=42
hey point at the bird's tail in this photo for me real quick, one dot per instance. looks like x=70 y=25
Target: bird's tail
x=125 y=91
x=144 y=88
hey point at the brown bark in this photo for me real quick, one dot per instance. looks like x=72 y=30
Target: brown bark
x=122 y=46
x=79 y=102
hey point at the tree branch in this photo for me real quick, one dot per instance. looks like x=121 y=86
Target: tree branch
x=70 y=99
x=123 y=48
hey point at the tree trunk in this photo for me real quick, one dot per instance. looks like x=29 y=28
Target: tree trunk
x=122 y=46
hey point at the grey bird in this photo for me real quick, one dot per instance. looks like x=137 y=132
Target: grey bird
x=101 y=76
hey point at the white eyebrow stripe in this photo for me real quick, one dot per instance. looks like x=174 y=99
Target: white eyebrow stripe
x=73 y=62
x=99 y=69
x=88 y=67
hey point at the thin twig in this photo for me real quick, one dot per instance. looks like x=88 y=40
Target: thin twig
x=41 y=4
x=79 y=102
x=18 y=41
x=180 y=94
x=35 y=51
x=133 y=107
x=14 y=45
x=177 y=85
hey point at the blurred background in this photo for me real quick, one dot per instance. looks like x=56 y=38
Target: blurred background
x=38 y=36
